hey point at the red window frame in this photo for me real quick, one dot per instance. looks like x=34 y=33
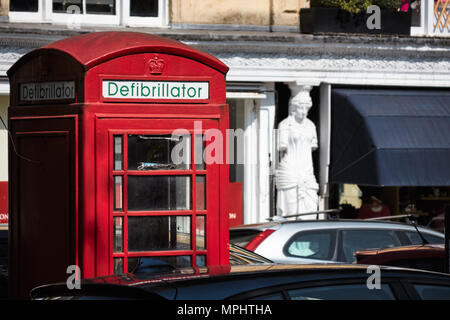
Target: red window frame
x=211 y=213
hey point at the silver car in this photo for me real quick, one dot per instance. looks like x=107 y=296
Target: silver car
x=329 y=241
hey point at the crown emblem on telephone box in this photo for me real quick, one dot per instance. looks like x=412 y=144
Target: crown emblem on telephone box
x=156 y=65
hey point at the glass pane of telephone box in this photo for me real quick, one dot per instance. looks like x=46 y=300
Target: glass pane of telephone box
x=200 y=232
x=155 y=193
x=118 y=193
x=156 y=264
x=159 y=233
x=118 y=265
x=118 y=153
x=199 y=150
x=117 y=234
x=159 y=152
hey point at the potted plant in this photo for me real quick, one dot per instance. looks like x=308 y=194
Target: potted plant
x=350 y=16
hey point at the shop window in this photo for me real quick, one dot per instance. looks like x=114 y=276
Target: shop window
x=101 y=7
x=107 y=12
x=139 y=8
x=24 y=5
x=63 y=6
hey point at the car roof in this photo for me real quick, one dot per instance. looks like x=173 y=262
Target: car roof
x=226 y=277
x=231 y=271
x=341 y=222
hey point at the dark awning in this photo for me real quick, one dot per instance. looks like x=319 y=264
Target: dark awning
x=390 y=137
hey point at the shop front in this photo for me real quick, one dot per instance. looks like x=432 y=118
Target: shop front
x=113 y=158
x=394 y=145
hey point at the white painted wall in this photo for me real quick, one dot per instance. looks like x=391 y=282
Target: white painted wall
x=266 y=122
x=251 y=172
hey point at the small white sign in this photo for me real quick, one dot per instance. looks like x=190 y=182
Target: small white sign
x=156 y=90
x=37 y=91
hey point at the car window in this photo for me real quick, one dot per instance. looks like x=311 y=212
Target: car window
x=414 y=238
x=430 y=264
x=342 y=292
x=432 y=292
x=355 y=240
x=311 y=245
x=271 y=296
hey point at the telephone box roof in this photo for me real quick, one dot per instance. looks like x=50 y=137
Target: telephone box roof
x=95 y=48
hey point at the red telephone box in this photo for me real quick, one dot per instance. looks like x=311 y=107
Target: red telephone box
x=116 y=142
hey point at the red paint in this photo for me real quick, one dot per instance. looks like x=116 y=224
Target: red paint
x=80 y=185
x=3 y=202
x=252 y=245
x=235 y=202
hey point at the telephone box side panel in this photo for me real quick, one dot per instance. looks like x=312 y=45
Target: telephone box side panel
x=224 y=192
x=47 y=79
x=43 y=207
x=88 y=195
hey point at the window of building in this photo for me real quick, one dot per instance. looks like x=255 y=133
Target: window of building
x=75 y=13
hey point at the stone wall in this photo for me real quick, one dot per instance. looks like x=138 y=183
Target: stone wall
x=4 y=7
x=237 y=12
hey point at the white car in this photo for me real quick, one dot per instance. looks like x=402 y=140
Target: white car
x=329 y=241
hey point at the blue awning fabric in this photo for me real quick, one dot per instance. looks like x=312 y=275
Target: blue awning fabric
x=390 y=137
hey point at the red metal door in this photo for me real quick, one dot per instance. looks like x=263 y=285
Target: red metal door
x=157 y=196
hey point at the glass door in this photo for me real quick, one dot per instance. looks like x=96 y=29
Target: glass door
x=163 y=198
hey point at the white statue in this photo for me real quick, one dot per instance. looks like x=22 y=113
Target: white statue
x=296 y=184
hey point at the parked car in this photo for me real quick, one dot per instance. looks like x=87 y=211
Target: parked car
x=327 y=241
x=238 y=256
x=425 y=257
x=259 y=282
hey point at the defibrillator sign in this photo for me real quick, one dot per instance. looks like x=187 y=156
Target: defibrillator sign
x=42 y=91
x=157 y=90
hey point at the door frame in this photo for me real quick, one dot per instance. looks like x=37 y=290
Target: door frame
x=105 y=132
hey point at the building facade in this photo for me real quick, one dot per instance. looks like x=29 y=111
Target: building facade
x=266 y=51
